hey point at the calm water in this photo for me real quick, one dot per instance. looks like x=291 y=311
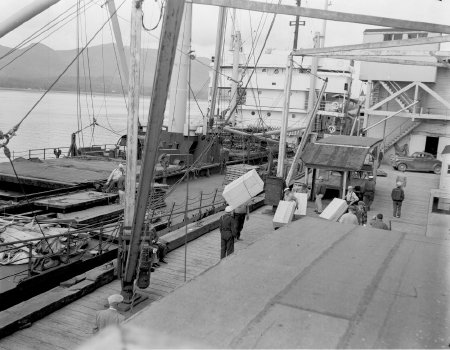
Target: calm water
x=53 y=121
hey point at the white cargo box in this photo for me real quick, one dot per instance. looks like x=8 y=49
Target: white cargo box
x=243 y=189
x=334 y=210
x=302 y=199
x=284 y=213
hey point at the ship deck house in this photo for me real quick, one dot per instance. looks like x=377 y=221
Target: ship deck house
x=391 y=88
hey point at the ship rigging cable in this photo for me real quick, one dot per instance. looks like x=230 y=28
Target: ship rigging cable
x=34 y=36
x=12 y=132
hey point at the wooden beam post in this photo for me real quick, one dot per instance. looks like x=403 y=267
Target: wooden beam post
x=285 y=117
x=375 y=45
x=133 y=114
x=386 y=60
x=164 y=64
x=300 y=148
x=327 y=15
x=118 y=36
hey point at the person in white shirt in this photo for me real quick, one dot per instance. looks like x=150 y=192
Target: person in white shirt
x=110 y=316
x=351 y=196
x=113 y=178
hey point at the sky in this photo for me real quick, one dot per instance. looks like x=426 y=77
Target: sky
x=205 y=22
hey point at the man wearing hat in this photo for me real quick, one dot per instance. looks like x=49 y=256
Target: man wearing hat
x=113 y=178
x=369 y=192
x=351 y=197
x=227 y=229
x=320 y=192
x=110 y=316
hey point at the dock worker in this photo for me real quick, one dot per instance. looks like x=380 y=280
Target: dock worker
x=289 y=196
x=397 y=195
x=110 y=316
x=377 y=222
x=241 y=213
x=161 y=247
x=114 y=178
x=350 y=217
x=369 y=192
x=227 y=227
x=121 y=189
x=351 y=197
x=320 y=192
x=361 y=213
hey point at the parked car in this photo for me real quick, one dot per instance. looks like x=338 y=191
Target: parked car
x=418 y=161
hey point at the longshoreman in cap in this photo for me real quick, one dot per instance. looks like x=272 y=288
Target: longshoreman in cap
x=110 y=316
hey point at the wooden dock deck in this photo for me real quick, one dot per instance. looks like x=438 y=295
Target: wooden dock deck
x=70 y=326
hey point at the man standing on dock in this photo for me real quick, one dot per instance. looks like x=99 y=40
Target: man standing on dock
x=110 y=316
x=369 y=192
x=227 y=228
x=320 y=192
x=397 y=195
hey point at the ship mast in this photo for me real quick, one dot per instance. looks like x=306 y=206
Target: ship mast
x=132 y=123
x=166 y=52
x=179 y=83
x=217 y=59
x=235 y=76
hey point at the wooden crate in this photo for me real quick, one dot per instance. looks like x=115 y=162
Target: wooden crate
x=243 y=189
x=284 y=214
x=334 y=210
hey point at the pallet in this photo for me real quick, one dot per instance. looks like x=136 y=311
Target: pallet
x=234 y=172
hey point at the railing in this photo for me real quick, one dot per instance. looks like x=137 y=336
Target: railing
x=110 y=227
x=49 y=153
x=198 y=206
x=398 y=131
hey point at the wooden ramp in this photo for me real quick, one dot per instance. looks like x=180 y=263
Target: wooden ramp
x=71 y=325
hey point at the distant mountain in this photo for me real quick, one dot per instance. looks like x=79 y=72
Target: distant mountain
x=38 y=66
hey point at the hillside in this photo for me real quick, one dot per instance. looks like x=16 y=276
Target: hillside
x=38 y=67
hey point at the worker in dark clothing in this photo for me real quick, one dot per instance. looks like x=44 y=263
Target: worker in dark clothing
x=369 y=192
x=320 y=192
x=227 y=232
x=161 y=247
x=397 y=195
x=241 y=214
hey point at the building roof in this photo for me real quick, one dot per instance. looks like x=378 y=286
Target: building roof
x=446 y=150
x=391 y=30
x=332 y=157
x=357 y=141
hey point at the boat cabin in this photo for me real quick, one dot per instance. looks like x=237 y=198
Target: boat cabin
x=343 y=161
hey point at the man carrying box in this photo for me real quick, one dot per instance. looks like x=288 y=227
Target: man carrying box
x=227 y=228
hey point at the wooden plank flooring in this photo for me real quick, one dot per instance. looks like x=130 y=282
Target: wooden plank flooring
x=68 y=327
